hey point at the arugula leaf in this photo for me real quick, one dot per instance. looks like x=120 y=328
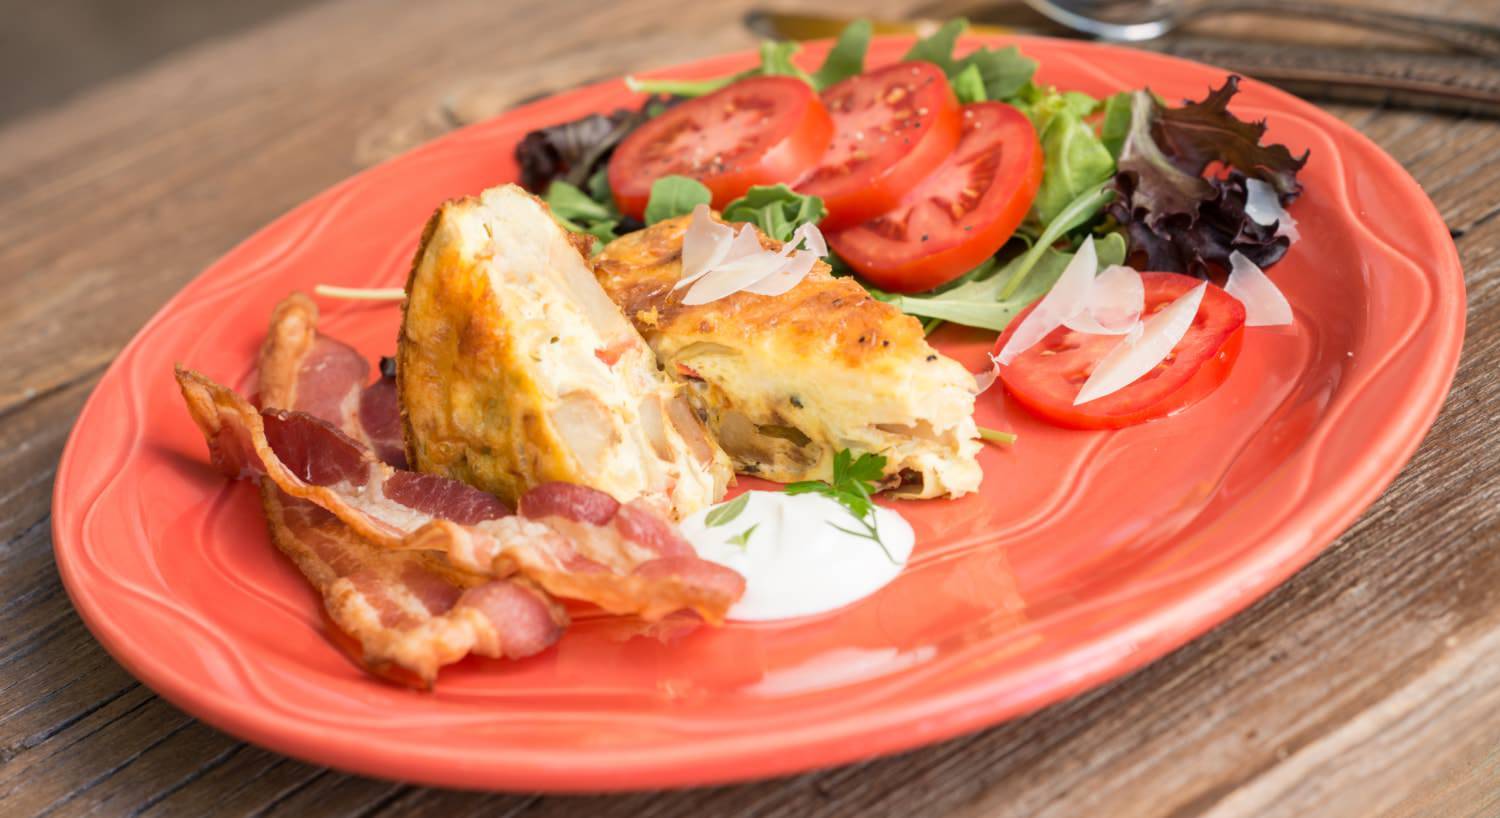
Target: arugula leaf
x=775 y=60
x=581 y=213
x=1077 y=213
x=673 y=196
x=997 y=436
x=1002 y=73
x=847 y=57
x=725 y=513
x=568 y=202
x=742 y=539
x=984 y=301
x=1006 y=72
x=776 y=209
x=937 y=47
x=681 y=88
x=968 y=85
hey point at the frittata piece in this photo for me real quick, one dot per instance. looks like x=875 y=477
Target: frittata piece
x=785 y=382
x=514 y=368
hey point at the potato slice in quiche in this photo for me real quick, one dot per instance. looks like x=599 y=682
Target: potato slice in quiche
x=786 y=381
x=514 y=368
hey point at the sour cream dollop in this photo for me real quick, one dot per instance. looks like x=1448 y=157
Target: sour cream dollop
x=795 y=562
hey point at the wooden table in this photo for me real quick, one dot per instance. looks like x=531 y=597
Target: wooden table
x=1367 y=685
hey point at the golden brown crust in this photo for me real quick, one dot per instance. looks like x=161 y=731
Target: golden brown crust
x=785 y=382
x=825 y=315
x=514 y=367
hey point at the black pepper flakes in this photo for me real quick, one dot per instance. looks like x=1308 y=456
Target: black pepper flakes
x=796 y=401
x=931 y=357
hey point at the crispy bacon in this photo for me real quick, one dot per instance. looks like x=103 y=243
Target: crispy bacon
x=402 y=607
x=380 y=418
x=408 y=613
x=562 y=541
x=303 y=370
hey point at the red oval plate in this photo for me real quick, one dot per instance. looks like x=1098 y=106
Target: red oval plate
x=1086 y=555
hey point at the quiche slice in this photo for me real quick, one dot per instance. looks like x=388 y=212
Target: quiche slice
x=784 y=382
x=514 y=368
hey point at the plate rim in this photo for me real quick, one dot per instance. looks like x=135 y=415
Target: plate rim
x=930 y=719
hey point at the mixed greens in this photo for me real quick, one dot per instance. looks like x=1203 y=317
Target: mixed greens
x=1162 y=186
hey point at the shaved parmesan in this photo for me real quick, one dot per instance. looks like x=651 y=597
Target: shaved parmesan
x=1131 y=359
x=718 y=261
x=1263 y=207
x=1265 y=306
x=1113 y=305
x=1067 y=298
x=986 y=378
x=705 y=245
x=788 y=276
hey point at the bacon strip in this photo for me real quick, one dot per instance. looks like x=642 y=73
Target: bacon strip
x=304 y=370
x=620 y=562
x=405 y=610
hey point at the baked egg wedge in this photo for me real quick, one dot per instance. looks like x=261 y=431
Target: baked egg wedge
x=514 y=368
x=785 y=382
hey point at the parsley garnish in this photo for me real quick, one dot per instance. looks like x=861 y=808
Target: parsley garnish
x=742 y=539
x=854 y=480
x=725 y=514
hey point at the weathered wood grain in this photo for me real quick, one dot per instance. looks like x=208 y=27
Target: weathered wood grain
x=1364 y=686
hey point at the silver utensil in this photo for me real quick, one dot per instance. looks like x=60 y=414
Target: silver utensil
x=1136 y=20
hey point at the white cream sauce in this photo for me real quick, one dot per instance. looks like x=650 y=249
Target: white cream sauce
x=795 y=562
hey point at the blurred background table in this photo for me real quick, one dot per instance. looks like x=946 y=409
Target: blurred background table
x=141 y=140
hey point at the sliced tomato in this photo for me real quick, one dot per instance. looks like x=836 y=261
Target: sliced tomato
x=758 y=131
x=891 y=127
x=1048 y=376
x=960 y=214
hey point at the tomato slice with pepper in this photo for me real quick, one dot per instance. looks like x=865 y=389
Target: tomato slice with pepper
x=757 y=131
x=1047 y=377
x=960 y=214
x=891 y=127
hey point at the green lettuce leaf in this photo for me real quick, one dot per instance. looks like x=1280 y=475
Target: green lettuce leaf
x=968 y=86
x=846 y=58
x=982 y=301
x=937 y=47
x=775 y=60
x=1002 y=72
x=777 y=210
x=582 y=213
x=673 y=196
x=1006 y=72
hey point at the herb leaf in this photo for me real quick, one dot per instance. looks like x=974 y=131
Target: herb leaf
x=984 y=302
x=846 y=58
x=777 y=210
x=581 y=213
x=1005 y=72
x=742 y=539
x=726 y=513
x=854 y=480
x=968 y=86
x=775 y=60
x=937 y=47
x=673 y=196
